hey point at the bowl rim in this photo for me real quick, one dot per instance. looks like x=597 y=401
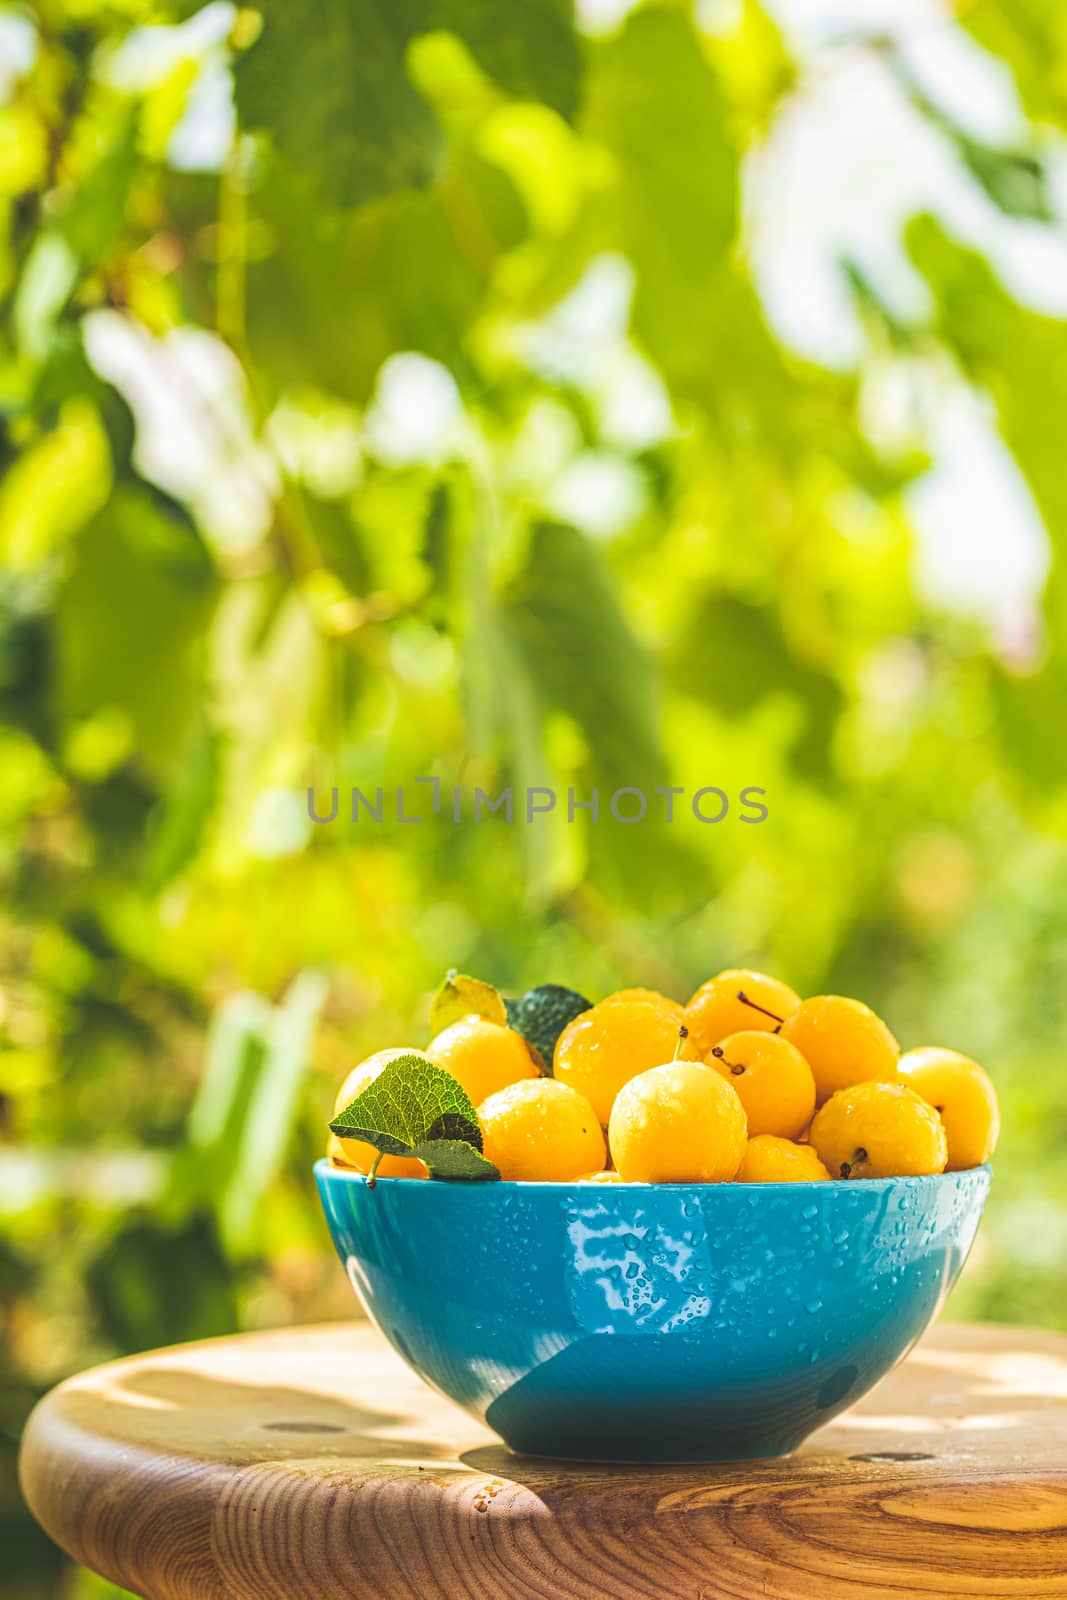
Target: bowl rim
x=573 y=1185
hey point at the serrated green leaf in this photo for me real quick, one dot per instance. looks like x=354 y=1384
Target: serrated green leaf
x=414 y=1108
x=454 y=1158
x=410 y=1100
x=460 y=996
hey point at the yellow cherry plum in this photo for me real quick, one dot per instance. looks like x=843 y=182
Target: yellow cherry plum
x=541 y=1130
x=879 y=1130
x=482 y=1056
x=963 y=1095
x=843 y=1041
x=677 y=1123
x=734 y=1001
x=774 y=1081
x=606 y=1046
x=652 y=996
x=769 y=1159
x=335 y=1152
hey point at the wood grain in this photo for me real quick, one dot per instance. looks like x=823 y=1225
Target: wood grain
x=311 y=1465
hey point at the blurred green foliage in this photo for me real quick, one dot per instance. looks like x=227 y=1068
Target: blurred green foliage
x=427 y=420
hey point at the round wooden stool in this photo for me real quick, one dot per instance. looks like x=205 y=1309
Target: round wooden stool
x=311 y=1465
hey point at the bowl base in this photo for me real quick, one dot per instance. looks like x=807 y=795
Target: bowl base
x=605 y=1456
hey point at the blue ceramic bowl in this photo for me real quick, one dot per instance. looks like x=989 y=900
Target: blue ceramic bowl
x=653 y=1322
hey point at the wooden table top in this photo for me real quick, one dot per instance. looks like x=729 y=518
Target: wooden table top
x=312 y=1465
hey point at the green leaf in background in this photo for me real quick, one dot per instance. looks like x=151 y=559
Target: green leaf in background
x=94 y=216
x=258 y=1156
x=409 y=273
x=527 y=46
x=327 y=78
x=582 y=657
x=414 y=1108
x=460 y=996
x=1019 y=355
x=133 y=612
x=733 y=652
x=329 y=82
x=233 y=1054
x=657 y=105
x=186 y=810
x=1027 y=38
x=155 y=1284
x=542 y=1013
x=1014 y=179
x=241 y=1122
x=54 y=489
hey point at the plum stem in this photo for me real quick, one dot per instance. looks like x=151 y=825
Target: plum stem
x=736 y=1067
x=745 y=1001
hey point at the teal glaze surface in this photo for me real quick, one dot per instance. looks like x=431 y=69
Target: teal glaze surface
x=653 y=1322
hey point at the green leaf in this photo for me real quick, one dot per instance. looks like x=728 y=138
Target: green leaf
x=581 y=655
x=131 y=621
x=1014 y=180
x=233 y=1055
x=245 y=1110
x=409 y=1101
x=182 y=819
x=1019 y=354
x=460 y=996
x=272 y=1109
x=95 y=215
x=327 y=79
x=1026 y=708
x=54 y=488
x=658 y=107
x=342 y=291
x=454 y=1158
x=414 y=1108
x=1027 y=36
x=530 y=48
x=151 y=1283
x=733 y=653
x=541 y=1015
